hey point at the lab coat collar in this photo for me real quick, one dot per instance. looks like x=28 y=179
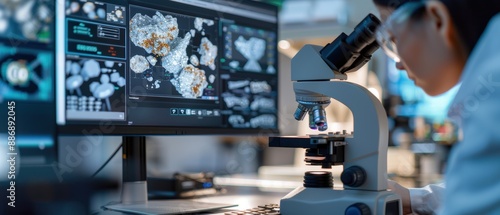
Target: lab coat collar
x=479 y=78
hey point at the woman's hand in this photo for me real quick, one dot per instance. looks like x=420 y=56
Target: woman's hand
x=403 y=192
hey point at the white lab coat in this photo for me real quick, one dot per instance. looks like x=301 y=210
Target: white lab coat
x=473 y=173
x=427 y=200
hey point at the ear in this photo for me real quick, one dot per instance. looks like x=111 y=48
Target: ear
x=441 y=21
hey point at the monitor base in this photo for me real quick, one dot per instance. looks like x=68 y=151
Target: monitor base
x=134 y=198
x=164 y=207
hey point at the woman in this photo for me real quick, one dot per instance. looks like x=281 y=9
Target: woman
x=440 y=44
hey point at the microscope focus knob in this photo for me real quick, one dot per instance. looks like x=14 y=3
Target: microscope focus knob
x=353 y=176
x=358 y=209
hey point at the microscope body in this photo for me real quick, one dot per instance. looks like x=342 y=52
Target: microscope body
x=362 y=153
x=323 y=201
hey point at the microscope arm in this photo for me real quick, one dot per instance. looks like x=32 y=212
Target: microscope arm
x=363 y=153
x=368 y=146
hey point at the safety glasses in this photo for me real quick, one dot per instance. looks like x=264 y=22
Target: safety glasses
x=383 y=36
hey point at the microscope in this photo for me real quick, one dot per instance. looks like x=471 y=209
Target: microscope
x=319 y=74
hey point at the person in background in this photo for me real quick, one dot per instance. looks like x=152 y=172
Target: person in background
x=440 y=44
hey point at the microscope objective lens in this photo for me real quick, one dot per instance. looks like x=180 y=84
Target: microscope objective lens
x=312 y=123
x=319 y=115
x=324 y=127
x=300 y=113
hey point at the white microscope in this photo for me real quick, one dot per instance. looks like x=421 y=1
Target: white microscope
x=319 y=74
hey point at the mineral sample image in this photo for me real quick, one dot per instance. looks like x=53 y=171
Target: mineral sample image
x=26 y=20
x=172 y=55
x=252 y=49
x=154 y=34
x=94 y=85
x=99 y=11
x=249 y=49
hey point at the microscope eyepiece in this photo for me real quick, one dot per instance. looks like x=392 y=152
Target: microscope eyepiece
x=363 y=34
x=349 y=53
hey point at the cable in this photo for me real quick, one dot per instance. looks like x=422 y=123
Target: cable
x=109 y=159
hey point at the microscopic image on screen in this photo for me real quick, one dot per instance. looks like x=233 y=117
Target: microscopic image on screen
x=172 y=55
x=249 y=49
x=251 y=102
x=26 y=20
x=95 y=85
x=26 y=74
x=96 y=11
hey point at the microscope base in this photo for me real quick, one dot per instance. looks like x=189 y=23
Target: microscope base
x=323 y=201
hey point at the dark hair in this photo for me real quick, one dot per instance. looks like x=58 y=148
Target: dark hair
x=470 y=16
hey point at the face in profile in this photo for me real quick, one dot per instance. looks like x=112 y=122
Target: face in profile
x=423 y=42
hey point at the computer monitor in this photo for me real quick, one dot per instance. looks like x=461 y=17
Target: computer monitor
x=149 y=67
x=167 y=67
x=27 y=129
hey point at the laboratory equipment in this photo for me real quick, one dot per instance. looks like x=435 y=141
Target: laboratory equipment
x=137 y=68
x=319 y=75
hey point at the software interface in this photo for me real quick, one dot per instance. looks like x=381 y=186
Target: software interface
x=27 y=77
x=167 y=63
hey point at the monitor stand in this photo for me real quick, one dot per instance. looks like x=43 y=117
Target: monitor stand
x=134 y=197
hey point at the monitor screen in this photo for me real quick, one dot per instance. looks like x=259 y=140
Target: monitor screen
x=27 y=80
x=159 y=67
